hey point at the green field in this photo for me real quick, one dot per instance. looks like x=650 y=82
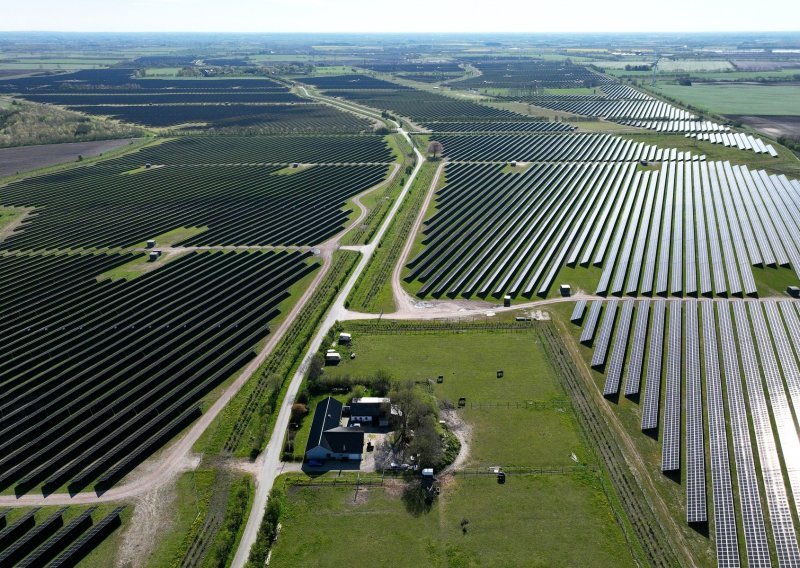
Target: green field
x=523 y=419
x=549 y=520
x=737 y=99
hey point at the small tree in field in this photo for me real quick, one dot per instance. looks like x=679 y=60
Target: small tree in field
x=435 y=148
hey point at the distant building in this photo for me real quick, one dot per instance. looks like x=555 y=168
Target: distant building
x=330 y=441
x=371 y=410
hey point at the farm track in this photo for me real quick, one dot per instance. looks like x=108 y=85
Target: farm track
x=271 y=457
x=656 y=545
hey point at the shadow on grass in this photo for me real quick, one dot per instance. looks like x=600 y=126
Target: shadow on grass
x=415 y=498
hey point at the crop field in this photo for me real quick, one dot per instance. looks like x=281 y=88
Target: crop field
x=87 y=393
x=25 y=158
x=61 y=536
x=692 y=227
x=743 y=354
x=103 y=206
x=737 y=99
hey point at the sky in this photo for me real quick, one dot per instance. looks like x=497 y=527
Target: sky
x=377 y=16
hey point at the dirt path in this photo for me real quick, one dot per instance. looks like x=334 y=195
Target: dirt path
x=461 y=430
x=402 y=300
x=8 y=229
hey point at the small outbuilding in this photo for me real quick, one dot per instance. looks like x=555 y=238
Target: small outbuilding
x=345 y=338
x=371 y=410
x=793 y=291
x=332 y=357
x=566 y=290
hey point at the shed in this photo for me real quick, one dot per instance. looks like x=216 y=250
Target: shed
x=151 y=243
x=345 y=338
x=371 y=410
x=427 y=472
x=507 y=301
x=566 y=290
x=154 y=254
x=794 y=291
x=332 y=357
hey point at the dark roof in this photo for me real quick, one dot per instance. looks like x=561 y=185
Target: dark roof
x=344 y=440
x=326 y=417
x=368 y=408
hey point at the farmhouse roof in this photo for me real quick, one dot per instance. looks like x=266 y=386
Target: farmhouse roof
x=326 y=417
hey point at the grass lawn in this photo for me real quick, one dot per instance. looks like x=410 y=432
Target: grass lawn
x=558 y=520
x=786 y=162
x=9 y=214
x=737 y=99
x=523 y=419
x=192 y=492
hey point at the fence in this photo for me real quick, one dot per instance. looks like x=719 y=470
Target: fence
x=514 y=470
x=559 y=404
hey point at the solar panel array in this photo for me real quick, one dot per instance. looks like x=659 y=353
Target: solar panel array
x=747 y=354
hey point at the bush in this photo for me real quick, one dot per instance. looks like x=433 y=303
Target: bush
x=268 y=530
x=235 y=514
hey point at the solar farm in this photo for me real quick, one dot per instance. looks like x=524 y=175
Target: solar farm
x=625 y=267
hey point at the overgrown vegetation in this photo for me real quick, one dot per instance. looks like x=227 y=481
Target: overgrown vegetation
x=235 y=516
x=268 y=531
x=25 y=123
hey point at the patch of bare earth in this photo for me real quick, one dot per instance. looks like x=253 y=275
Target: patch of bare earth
x=463 y=431
x=151 y=518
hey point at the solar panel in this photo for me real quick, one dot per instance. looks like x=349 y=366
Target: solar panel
x=671 y=442
x=624 y=249
x=632 y=284
x=676 y=285
x=777 y=498
x=695 y=450
x=652 y=241
x=666 y=231
x=781 y=411
x=577 y=312
x=604 y=337
x=724 y=516
x=634 y=372
x=97 y=532
x=591 y=322
x=620 y=348
x=654 y=358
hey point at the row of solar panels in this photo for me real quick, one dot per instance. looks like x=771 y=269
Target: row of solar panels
x=697 y=228
x=760 y=340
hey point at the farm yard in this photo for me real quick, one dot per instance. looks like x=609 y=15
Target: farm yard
x=468 y=359
x=581 y=282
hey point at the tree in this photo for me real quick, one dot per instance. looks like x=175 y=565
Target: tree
x=426 y=445
x=435 y=147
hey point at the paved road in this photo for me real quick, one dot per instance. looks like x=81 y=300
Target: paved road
x=272 y=456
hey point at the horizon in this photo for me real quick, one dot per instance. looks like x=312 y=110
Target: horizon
x=415 y=16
